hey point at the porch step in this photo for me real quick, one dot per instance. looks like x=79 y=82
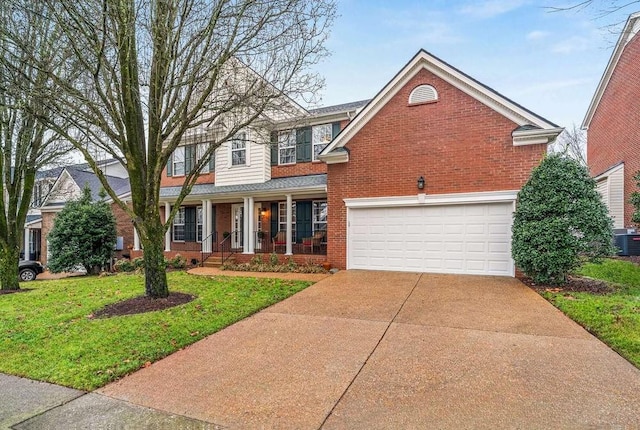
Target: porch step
x=216 y=261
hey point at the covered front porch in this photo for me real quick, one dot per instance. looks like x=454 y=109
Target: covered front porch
x=218 y=222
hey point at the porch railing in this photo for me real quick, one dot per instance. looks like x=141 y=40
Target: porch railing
x=225 y=247
x=209 y=246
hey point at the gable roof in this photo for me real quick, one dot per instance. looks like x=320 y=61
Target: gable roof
x=81 y=177
x=542 y=130
x=630 y=30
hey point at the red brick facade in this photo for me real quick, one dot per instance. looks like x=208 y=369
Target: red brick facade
x=124 y=228
x=614 y=130
x=457 y=143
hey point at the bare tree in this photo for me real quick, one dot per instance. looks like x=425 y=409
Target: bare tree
x=26 y=142
x=156 y=71
x=572 y=142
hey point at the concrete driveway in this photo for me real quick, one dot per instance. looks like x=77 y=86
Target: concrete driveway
x=391 y=350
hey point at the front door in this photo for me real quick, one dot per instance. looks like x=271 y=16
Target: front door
x=237 y=222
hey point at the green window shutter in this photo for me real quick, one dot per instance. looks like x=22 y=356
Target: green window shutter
x=274 y=219
x=335 y=129
x=190 y=224
x=303 y=144
x=303 y=220
x=274 y=148
x=170 y=165
x=189 y=158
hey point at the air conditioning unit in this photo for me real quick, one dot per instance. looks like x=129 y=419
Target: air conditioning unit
x=628 y=244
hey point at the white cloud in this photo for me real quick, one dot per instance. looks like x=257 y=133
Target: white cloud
x=570 y=45
x=537 y=35
x=491 y=8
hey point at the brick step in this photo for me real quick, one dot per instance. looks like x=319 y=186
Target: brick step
x=216 y=261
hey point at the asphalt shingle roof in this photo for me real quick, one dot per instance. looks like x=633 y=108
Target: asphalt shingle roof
x=339 y=108
x=293 y=182
x=119 y=185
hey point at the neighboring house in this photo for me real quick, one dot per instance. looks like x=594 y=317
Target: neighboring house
x=613 y=126
x=423 y=177
x=33 y=224
x=69 y=184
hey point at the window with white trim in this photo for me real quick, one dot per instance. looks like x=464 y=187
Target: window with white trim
x=201 y=148
x=282 y=218
x=286 y=147
x=320 y=216
x=321 y=135
x=239 y=149
x=199 y=224
x=178 y=161
x=178 y=225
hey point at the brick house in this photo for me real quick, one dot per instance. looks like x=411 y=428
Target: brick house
x=69 y=184
x=423 y=177
x=613 y=125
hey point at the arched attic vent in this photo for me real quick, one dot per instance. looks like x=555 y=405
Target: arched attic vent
x=423 y=94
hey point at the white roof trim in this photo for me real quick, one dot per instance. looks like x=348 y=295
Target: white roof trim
x=424 y=60
x=631 y=28
x=535 y=136
x=334 y=157
x=609 y=172
x=433 y=199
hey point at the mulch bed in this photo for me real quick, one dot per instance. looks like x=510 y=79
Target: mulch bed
x=574 y=284
x=142 y=304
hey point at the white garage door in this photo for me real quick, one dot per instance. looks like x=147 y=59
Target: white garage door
x=469 y=238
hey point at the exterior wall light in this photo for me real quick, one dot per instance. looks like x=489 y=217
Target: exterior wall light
x=421 y=183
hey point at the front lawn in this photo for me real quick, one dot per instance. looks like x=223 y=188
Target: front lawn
x=613 y=317
x=49 y=333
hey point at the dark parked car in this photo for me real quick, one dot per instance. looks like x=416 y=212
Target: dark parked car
x=28 y=270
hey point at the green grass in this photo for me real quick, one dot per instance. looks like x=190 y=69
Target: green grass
x=615 y=317
x=46 y=333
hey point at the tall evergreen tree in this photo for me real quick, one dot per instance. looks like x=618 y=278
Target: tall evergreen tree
x=559 y=218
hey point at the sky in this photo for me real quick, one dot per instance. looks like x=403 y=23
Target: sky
x=549 y=62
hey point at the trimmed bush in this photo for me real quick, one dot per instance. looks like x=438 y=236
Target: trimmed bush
x=559 y=218
x=124 y=265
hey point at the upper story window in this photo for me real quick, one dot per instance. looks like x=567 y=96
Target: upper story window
x=239 y=150
x=178 y=161
x=321 y=135
x=41 y=190
x=186 y=157
x=302 y=144
x=287 y=147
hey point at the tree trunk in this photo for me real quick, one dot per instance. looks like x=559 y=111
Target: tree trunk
x=9 y=260
x=155 y=275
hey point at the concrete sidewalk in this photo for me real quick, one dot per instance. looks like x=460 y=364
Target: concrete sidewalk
x=397 y=350
x=28 y=404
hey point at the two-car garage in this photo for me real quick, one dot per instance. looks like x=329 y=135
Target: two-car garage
x=460 y=234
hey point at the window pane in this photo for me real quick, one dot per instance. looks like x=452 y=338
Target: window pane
x=200 y=150
x=321 y=135
x=178 y=225
x=286 y=147
x=178 y=161
x=238 y=150
x=319 y=216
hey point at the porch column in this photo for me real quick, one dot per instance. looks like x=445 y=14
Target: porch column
x=136 y=239
x=245 y=227
x=167 y=235
x=289 y=250
x=26 y=243
x=250 y=216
